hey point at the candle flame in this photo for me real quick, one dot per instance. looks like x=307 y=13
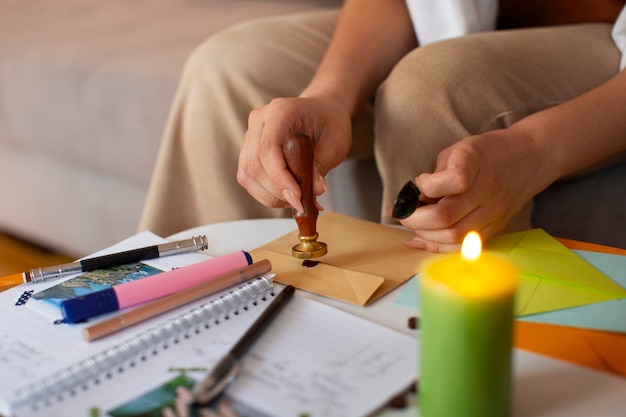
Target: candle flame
x=471 y=247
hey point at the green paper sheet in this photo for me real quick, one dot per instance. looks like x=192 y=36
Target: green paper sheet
x=609 y=315
x=552 y=277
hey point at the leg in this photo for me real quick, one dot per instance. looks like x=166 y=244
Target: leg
x=235 y=71
x=446 y=91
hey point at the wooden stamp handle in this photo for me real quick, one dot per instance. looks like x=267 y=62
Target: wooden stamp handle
x=298 y=152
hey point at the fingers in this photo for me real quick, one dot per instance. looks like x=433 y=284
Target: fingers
x=449 y=239
x=457 y=169
x=181 y=408
x=451 y=189
x=319 y=183
x=181 y=405
x=442 y=226
x=262 y=168
x=454 y=205
x=183 y=396
x=439 y=227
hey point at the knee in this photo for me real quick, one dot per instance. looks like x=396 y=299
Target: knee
x=227 y=55
x=275 y=55
x=455 y=79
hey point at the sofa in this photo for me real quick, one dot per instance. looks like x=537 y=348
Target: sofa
x=85 y=88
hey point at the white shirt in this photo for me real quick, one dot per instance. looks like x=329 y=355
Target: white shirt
x=435 y=20
x=619 y=35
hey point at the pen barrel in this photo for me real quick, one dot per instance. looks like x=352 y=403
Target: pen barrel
x=166 y=283
x=262 y=322
x=40 y=274
x=225 y=370
x=298 y=153
x=196 y=243
x=222 y=374
x=122 y=258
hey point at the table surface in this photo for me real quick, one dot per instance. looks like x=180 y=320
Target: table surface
x=542 y=387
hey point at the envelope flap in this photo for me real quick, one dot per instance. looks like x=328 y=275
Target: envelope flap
x=338 y=283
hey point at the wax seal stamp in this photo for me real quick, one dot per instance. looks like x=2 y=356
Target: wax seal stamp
x=298 y=152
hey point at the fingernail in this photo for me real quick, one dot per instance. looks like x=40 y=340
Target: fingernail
x=416 y=244
x=406 y=202
x=290 y=197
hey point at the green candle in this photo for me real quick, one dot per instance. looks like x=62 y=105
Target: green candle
x=466 y=333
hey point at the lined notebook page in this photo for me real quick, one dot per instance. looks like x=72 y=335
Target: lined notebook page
x=313 y=359
x=320 y=361
x=141 y=373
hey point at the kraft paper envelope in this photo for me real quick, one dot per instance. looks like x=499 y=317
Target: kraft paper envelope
x=591 y=348
x=552 y=276
x=365 y=260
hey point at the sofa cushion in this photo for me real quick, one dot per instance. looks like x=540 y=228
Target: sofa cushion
x=590 y=208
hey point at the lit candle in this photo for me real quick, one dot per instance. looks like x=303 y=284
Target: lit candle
x=466 y=332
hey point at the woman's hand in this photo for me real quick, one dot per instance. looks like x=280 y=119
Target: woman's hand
x=480 y=183
x=262 y=168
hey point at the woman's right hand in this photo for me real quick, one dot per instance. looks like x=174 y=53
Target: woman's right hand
x=262 y=168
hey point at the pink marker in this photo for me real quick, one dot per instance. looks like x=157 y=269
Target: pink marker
x=136 y=292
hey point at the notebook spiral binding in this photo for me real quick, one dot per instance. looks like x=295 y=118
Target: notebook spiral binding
x=78 y=376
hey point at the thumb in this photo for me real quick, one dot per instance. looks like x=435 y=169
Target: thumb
x=453 y=177
x=450 y=181
x=425 y=193
x=319 y=182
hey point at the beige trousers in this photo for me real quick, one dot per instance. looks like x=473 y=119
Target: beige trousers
x=435 y=96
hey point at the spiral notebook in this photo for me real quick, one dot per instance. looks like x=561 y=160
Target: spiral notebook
x=313 y=359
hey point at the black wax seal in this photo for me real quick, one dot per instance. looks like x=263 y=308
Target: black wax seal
x=406 y=202
x=308 y=263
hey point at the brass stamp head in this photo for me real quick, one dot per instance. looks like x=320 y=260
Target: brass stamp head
x=309 y=248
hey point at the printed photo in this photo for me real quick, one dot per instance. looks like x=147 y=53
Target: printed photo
x=92 y=281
